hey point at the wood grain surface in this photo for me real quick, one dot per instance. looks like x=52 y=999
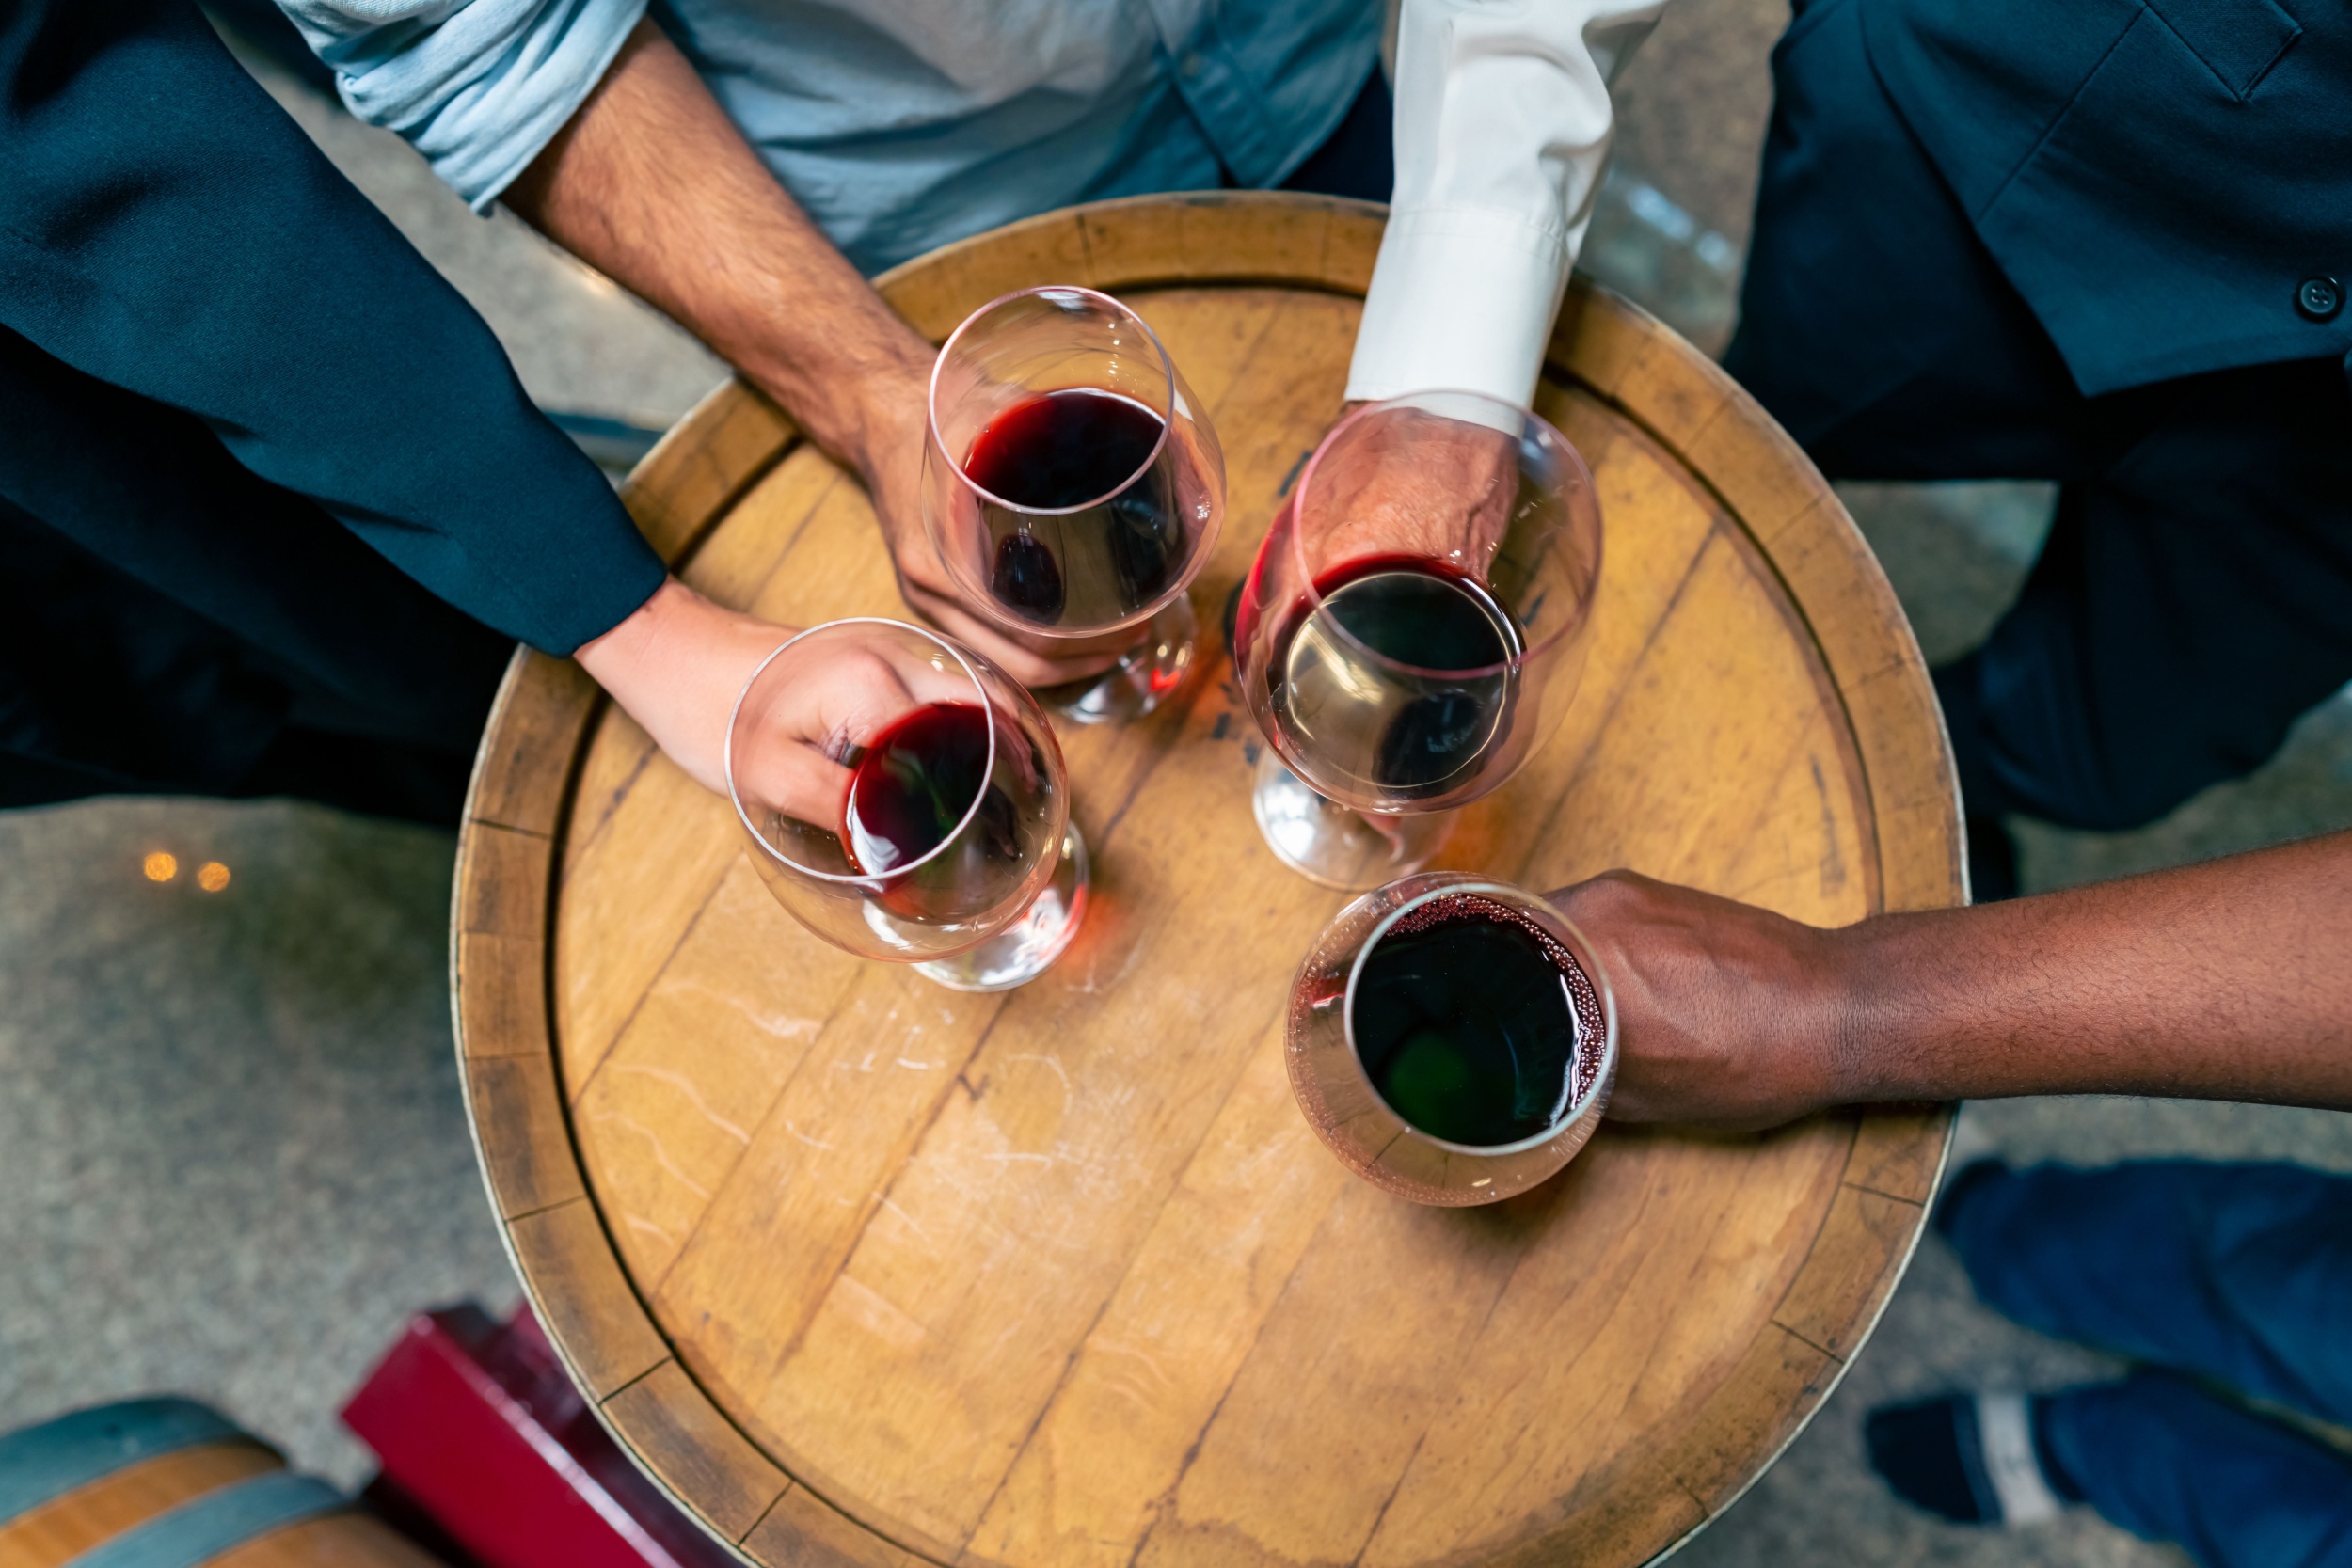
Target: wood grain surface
x=869 y=1272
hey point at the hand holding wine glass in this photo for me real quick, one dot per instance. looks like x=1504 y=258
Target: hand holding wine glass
x=1073 y=488
x=904 y=799
x=1424 y=487
x=1413 y=627
x=677 y=666
x=892 y=466
x=811 y=730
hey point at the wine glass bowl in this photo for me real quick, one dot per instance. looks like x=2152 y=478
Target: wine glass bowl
x=1414 y=625
x=1441 y=1127
x=1073 y=486
x=905 y=800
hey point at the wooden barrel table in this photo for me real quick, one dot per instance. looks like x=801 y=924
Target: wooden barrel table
x=869 y=1272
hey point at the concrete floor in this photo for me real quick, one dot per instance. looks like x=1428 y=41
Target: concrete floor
x=232 y=1153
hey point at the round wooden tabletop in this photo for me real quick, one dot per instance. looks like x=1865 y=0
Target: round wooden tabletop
x=869 y=1272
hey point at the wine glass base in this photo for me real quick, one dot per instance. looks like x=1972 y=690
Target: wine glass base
x=1145 y=678
x=1027 y=948
x=1333 y=845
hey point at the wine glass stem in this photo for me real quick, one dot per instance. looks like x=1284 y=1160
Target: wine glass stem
x=1147 y=676
x=1334 y=845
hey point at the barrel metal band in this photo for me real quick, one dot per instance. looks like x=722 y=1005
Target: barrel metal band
x=44 y=1463
x=200 y=1529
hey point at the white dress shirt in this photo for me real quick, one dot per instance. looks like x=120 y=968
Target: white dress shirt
x=1502 y=125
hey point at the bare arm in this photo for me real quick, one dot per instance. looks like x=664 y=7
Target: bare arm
x=652 y=184
x=2231 y=981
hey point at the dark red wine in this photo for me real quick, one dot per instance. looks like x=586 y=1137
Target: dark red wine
x=909 y=790
x=1063 y=449
x=1474 y=1023
x=1071 y=448
x=1412 y=736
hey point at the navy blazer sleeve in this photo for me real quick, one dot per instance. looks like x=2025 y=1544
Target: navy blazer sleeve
x=166 y=228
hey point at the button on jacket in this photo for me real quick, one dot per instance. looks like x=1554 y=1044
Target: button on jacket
x=2156 y=177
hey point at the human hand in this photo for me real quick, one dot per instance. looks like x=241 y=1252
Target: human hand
x=1728 y=1014
x=677 y=666
x=798 y=731
x=891 y=462
x=1417 y=484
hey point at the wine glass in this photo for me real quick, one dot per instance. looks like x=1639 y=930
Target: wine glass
x=1073 y=486
x=1414 y=625
x=906 y=800
x=1452 y=1039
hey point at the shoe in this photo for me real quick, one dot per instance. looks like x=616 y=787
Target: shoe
x=1973 y=1458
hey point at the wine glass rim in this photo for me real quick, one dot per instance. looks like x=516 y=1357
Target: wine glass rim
x=735 y=796
x=1314 y=597
x=1167 y=420
x=1449 y=884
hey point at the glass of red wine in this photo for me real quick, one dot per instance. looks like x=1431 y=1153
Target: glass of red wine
x=1073 y=486
x=1414 y=625
x=1452 y=1039
x=906 y=800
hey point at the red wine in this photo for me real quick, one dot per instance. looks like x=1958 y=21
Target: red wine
x=1474 y=1023
x=1412 y=736
x=909 y=791
x=1063 y=449
x=1066 y=449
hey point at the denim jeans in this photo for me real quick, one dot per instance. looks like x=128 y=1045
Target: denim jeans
x=2236 y=1275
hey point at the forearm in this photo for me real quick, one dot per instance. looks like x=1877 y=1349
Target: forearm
x=2231 y=981
x=651 y=184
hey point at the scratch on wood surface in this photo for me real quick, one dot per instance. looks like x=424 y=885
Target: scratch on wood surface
x=638 y=1222
x=813 y=1143
x=1055 y=1062
x=891 y=1204
x=784 y=1026
x=660 y=1154
x=688 y=1087
x=877 y=1314
x=1126 y=967
x=1144 y=1365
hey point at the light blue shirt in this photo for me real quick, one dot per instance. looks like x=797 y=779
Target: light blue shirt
x=898 y=125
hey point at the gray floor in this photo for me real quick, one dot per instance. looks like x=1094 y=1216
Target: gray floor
x=231 y=1152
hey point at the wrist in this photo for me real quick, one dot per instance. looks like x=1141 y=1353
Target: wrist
x=677 y=666
x=1863 y=1053
x=623 y=659
x=868 y=410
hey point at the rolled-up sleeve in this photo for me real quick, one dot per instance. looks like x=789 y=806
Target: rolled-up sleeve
x=478 y=87
x=1503 y=126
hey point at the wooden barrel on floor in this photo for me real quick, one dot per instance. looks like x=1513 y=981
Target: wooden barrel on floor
x=169 y=1484
x=868 y=1271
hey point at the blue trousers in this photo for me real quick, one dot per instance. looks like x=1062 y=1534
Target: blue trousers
x=2232 y=1274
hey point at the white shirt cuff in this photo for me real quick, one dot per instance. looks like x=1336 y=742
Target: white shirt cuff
x=1461 y=297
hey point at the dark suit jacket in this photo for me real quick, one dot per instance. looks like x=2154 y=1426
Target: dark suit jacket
x=2156 y=177
x=166 y=231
